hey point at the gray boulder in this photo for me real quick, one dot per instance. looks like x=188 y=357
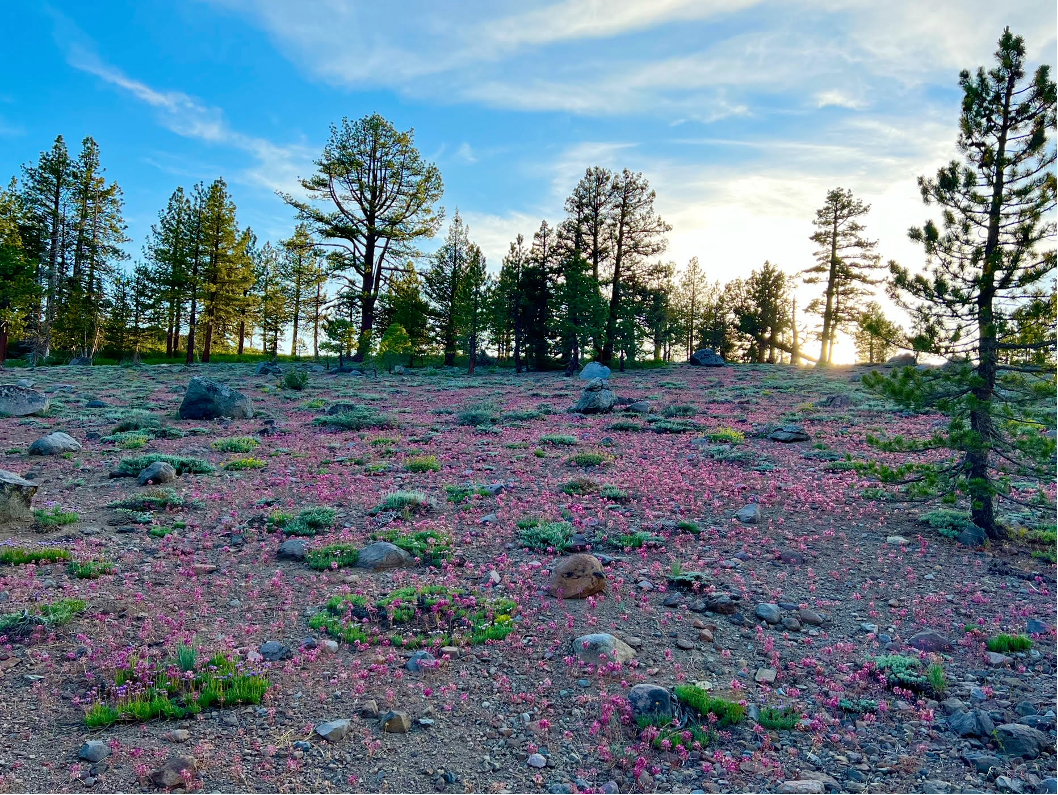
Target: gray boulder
x=750 y=514
x=383 y=555
x=639 y=407
x=1016 y=739
x=648 y=700
x=902 y=360
x=769 y=612
x=54 y=444
x=94 y=751
x=929 y=640
x=20 y=401
x=274 y=651
x=16 y=497
x=590 y=648
x=268 y=368
x=597 y=398
x=334 y=730
x=208 y=400
x=789 y=433
x=707 y=358
x=157 y=473
x=292 y=549
x=594 y=370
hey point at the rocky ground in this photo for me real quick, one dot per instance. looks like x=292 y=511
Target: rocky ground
x=733 y=547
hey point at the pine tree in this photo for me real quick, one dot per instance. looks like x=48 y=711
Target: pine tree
x=690 y=304
x=538 y=282
x=761 y=306
x=19 y=290
x=442 y=284
x=473 y=292
x=988 y=260
x=637 y=234
x=169 y=249
x=303 y=273
x=876 y=337
x=508 y=306
x=377 y=194
x=274 y=307
x=845 y=261
x=403 y=304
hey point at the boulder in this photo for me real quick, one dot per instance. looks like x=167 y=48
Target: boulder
x=396 y=722
x=1016 y=739
x=157 y=473
x=593 y=370
x=268 y=368
x=591 y=648
x=789 y=433
x=1036 y=627
x=577 y=577
x=54 y=444
x=274 y=651
x=639 y=407
x=929 y=640
x=208 y=400
x=647 y=700
x=749 y=515
x=334 y=730
x=902 y=360
x=597 y=398
x=707 y=358
x=292 y=549
x=972 y=536
x=20 y=401
x=769 y=612
x=16 y=497
x=383 y=555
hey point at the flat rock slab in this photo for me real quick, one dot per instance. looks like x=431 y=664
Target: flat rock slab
x=21 y=401
x=54 y=444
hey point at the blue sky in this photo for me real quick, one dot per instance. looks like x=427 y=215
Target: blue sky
x=741 y=114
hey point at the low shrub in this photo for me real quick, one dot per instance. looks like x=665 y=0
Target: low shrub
x=546 y=535
x=356 y=418
x=91 y=569
x=333 y=556
x=296 y=379
x=236 y=444
x=409 y=502
x=184 y=465
x=587 y=459
x=18 y=556
x=727 y=713
x=422 y=463
x=241 y=464
x=780 y=719
x=580 y=486
x=561 y=439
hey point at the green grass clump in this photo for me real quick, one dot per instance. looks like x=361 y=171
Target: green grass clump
x=333 y=556
x=635 y=540
x=241 y=464
x=687 y=526
x=938 y=680
x=1004 y=644
x=483 y=414
x=670 y=738
x=727 y=713
x=587 y=459
x=18 y=556
x=146 y=690
x=236 y=444
x=521 y=415
x=308 y=522
x=422 y=463
x=626 y=425
x=62 y=611
x=726 y=436
x=153 y=499
x=460 y=494
x=546 y=535
x=679 y=410
x=129 y=440
x=91 y=569
x=429 y=546
x=780 y=719
x=409 y=502
x=184 y=465
x=612 y=492
x=671 y=426
x=413 y=617
x=560 y=439
x=54 y=517
x=580 y=487
x=356 y=418
x=296 y=379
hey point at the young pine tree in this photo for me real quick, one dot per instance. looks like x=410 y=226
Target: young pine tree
x=985 y=264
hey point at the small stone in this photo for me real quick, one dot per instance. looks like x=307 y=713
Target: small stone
x=54 y=444
x=591 y=648
x=537 y=760
x=329 y=646
x=156 y=473
x=335 y=730
x=804 y=787
x=983 y=763
x=1036 y=627
x=936 y=787
x=996 y=660
x=94 y=751
x=382 y=556
x=810 y=617
x=396 y=722
x=419 y=661
x=683 y=643
x=789 y=433
x=369 y=709
x=897 y=541
x=178 y=736
x=274 y=651
x=769 y=613
x=749 y=514
x=765 y=676
x=292 y=549
x=174 y=771
x=929 y=640
x=1016 y=739
x=791 y=624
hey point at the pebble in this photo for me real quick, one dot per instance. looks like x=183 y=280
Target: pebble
x=537 y=760
x=769 y=613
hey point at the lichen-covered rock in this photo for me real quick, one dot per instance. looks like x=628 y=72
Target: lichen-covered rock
x=16 y=497
x=21 y=401
x=54 y=444
x=209 y=400
x=383 y=555
x=577 y=577
x=929 y=640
